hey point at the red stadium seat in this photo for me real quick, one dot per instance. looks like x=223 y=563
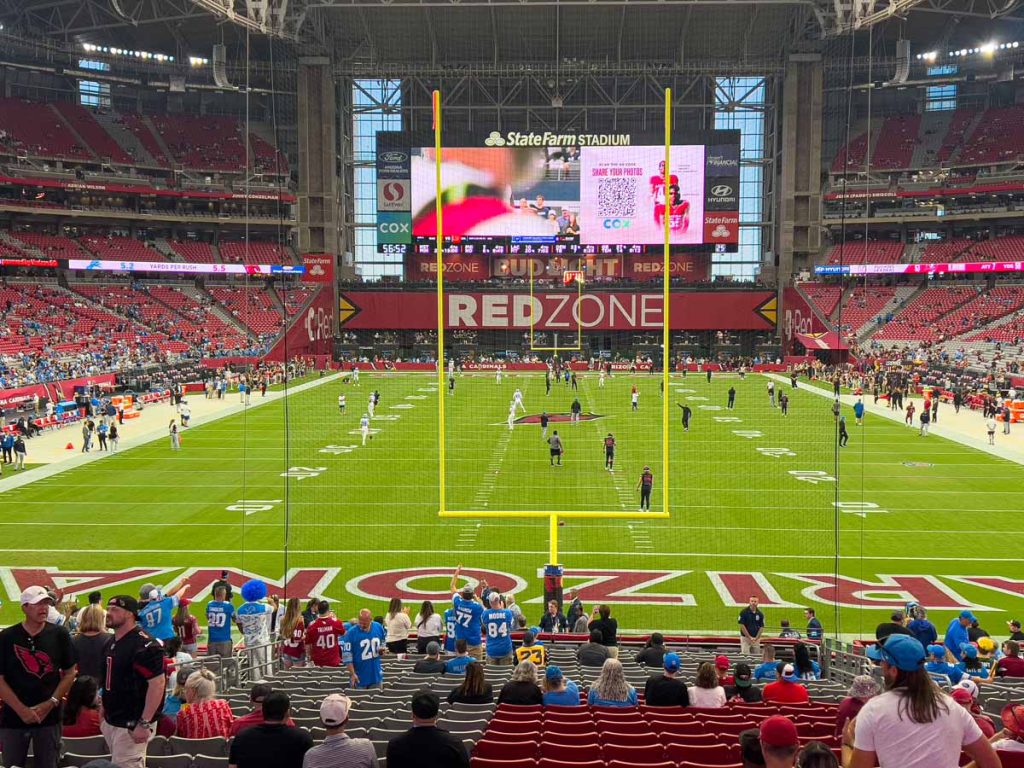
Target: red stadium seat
x=688 y=764
x=666 y=713
x=567 y=713
x=568 y=728
x=629 y=739
x=712 y=754
x=570 y=753
x=612 y=712
x=1011 y=759
x=625 y=764
x=699 y=740
x=525 y=725
x=519 y=709
x=548 y=763
x=503 y=750
x=634 y=754
x=486 y=762
x=493 y=734
x=681 y=728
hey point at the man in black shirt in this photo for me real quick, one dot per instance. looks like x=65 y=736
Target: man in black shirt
x=592 y=654
x=272 y=743
x=133 y=686
x=37 y=668
x=653 y=654
x=751 y=623
x=665 y=690
x=894 y=626
x=425 y=744
x=1015 y=633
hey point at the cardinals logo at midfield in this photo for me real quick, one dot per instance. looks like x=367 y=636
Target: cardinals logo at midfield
x=35 y=662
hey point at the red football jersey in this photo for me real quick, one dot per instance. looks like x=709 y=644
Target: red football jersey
x=322 y=639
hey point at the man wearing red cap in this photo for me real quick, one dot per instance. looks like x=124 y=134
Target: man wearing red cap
x=722 y=670
x=779 y=742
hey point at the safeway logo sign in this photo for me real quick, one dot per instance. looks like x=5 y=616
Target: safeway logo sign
x=393 y=195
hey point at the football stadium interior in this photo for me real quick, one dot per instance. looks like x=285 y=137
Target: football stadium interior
x=648 y=308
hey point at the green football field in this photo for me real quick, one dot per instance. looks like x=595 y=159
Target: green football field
x=759 y=503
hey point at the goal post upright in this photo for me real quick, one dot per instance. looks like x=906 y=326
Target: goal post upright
x=554 y=517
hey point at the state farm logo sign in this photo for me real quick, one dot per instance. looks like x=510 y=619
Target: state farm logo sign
x=721 y=227
x=393 y=195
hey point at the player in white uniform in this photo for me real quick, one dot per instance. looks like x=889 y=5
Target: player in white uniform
x=371 y=404
x=497 y=374
x=355 y=374
x=364 y=427
x=600 y=378
x=341 y=403
x=512 y=414
x=517 y=400
x=451 y=367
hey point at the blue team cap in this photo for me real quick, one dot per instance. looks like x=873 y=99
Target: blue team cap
x=553 y=673
x=672 y=662
x=535 y=630
x=938 y=651
x=901 y=651
x=969 y=651
x=968 y=615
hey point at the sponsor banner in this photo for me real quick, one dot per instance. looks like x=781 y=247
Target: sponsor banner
x=394 y=228
x=138 y=189
x=699 y=310
x=919 y=268
x=319 y=268
x=421 y=267
x=722 y=194
x=545 y=268
x=689 y=267
x=722 y=160
x=393 y=195
x=722 y=227
x=798 y=317
x=548 y=139
x=392 y=156
x=61 y=390
x=310 y=332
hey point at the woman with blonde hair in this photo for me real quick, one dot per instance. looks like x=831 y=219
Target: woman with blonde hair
x=293 y=631
x=522 y=687
x=707 y=692
x=204 y=716
x=611 y=689
x=398 y=624
x=91 y=642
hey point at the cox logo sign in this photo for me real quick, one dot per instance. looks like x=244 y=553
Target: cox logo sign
x=618 y=223
x=318 y=324
x=394 y=228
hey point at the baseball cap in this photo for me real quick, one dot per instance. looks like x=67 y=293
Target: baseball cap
x=146 y=589
x=938 y=651
x=969 y=651
x=960 y=696
x=184 y=602
x=494 y=597
x=965 y=614
x=743 y=676
x=778 y=731
x=968 y=685
x=34 y=596
x=334 y=709
x=1013 y=623
x=788 y=672
x=1013 y=718
x=722 y=662
x=467 y=591
x=553 y=672
x=864 y=687
x=672 y=662
x=433 y=648
x=901 y=651
x=125 y=602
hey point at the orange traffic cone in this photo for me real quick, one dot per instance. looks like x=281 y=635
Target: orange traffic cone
x=69 y=447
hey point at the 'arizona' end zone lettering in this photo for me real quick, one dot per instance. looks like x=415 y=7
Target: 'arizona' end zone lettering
x=597 y=585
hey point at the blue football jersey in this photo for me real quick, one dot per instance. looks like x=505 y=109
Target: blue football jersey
x=218 y=620
x=156 y=616
x=499 y=622
x=449 y=625
x=365 y=646
x=467 y=620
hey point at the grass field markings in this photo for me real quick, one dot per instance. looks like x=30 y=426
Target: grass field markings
x=732 y=557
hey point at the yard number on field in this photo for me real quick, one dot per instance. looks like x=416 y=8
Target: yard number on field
x=251 y=506
x=303 y=473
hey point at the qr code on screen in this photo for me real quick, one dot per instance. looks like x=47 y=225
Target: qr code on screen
x=616 y=197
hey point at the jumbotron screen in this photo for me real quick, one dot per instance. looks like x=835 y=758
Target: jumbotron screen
x=516 y=195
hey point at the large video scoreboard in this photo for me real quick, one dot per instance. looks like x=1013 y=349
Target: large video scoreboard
x=549 y=194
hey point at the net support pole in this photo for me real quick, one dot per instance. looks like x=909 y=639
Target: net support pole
x=439 y=254
x=666 y=328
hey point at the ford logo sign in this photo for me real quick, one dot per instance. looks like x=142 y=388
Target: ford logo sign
x=394 y=157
